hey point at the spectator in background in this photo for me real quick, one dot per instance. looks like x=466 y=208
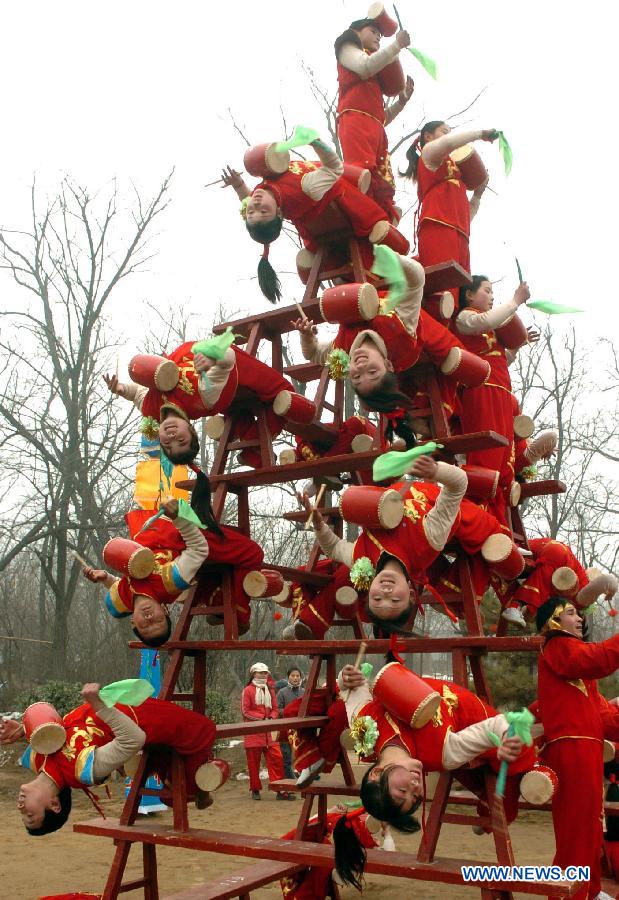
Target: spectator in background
x=291 y=691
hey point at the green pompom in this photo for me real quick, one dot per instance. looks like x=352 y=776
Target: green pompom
x=338 y=362
x=362 y=574
x=364 y=731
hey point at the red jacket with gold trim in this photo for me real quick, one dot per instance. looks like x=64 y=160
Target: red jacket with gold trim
x=442 y=196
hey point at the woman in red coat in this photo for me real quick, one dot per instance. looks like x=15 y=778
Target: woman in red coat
x=258 y=702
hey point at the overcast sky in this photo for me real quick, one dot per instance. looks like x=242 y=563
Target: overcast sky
x=130 y=89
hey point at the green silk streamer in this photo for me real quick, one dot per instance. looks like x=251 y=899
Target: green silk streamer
x=395 y=462
x=519 y=726
x=301 y=137
x=216 y=346
x=130 y=691
x=506 y=152
x=186 y=512
x=429 y=65
x=167 y=468
x=389 y=267
x=551 y=308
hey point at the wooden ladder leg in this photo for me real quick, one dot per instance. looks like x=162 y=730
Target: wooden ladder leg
x=472 y=615
x=231 y=628
x=313 y=279
x=149 y=862
x=199 y=681
x=310 y=685
x=117 y=870
x=498 y=823
x=306 y=813
x=427 y=847
x=179 y=794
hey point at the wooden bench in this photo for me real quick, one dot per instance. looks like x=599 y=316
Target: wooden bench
x=401 y=865
x=238 y=885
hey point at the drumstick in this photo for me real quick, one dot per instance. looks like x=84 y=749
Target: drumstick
x=359 y=659
x=81 y=560
x=301 y=313
x=211 y=183
x=10 y=637
x=319 y=497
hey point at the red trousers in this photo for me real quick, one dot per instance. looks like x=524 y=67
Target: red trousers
x=307 y=745
x=188 y=733
x=577 y=807
x=237 y=550
x=349 y=429
x=316 y=608
x=438 y=243
x=364 y=143
x=274 y=761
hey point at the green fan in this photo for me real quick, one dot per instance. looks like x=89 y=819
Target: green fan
x=130 y=691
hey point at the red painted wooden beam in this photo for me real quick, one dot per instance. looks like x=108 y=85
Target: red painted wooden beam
x=486 y=644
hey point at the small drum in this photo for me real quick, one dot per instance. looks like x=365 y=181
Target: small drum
x=564 y=581
x=129 y=557
x=482 y=483
x=372 y=507
x=263 y=583
x=295 y=407
x=264 y=160
x=387 y=25
x=346 y=599
x=471 y=166
x=305 y=258
x=539 y=785
x=210 y=776
x=609 y=751
x=468 y=368
x=392 y=79
x=44 y=729
x=405 y=695
x=214 y=427
x=524 y=426
x=385 y=233
x=284 y=598
x=361 y=443
x=513 y=334
x=515 y=493
x=287 y=457
x=348 y=304
x=154 y=372
x=440 y=306
x=361 y=178
x=502 y=556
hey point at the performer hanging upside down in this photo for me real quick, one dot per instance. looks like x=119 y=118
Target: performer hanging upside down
x=300 y=195
x=314 y=608
x=382 y=357
x=364 y=74
x=190 y=398
x=452 y=729
x=180 y=549
x=432 y=517
x=444 y=217
x=556 y=573
x=99 y=741
x=576 y=719
x=492 y=405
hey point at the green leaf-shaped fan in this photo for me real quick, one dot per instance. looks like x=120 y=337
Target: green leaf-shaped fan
x=551 y=308
x=389 y=267
x=130 y=691
x=506 y=152
x=395 y=462
x=215 y=347
x=302 y=136
x=429 y=65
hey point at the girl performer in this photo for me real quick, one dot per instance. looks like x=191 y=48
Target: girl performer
x=192 y=399
x=444 y=217
x=99 y=741
x=366 y=71
x=300 y=195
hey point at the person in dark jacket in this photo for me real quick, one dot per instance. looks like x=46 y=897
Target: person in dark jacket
x=291 y=691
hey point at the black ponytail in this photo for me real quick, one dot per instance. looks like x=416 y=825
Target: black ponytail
x=201 y=501
x=265 y=233
x=350 y=855
x=385 y=398
x=414 y=151
x=473 y=287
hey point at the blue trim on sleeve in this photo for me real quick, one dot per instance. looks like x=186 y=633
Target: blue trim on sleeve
x=86 y=773
x=180 y=583
x=112 y=609
x=26 y=758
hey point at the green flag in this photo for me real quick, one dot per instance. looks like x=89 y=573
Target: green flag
x=216 y=346
x=167 y=468
x=302 y=136
x=389 y=267
x=519 y=726
x=131 y=691
x=429 y=65
x=506 y=152
x=395 y=462
x=186 y=512
x=552 y=309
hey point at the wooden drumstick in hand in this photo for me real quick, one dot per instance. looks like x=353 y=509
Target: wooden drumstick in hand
x=301 y=313
x=319 y=496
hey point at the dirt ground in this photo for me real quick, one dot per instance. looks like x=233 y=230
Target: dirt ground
x=31 y=867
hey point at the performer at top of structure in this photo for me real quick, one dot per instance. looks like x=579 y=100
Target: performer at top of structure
x=576 y=719
x=99 y=741
x=444 y=216
x=381 y=357
x=432 y=517
x=300 y=195
x=366 y=72
x=455 y=731
x=186 y=395
x=492 y=405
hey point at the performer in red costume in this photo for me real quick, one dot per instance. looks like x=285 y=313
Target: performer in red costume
x=556 y=572
x=315 y=883
x=99 y=741
x=383 y=356
x=492 y=404
x=180 y=549
x=444 y=217
x=300 y=195
x=432 y=517
x=576 y=719
x=355 y=435
x=192 y=399
x=458 y=732
x=258 y=702
x=365 y=72
x=315 y=753
x=313 y=608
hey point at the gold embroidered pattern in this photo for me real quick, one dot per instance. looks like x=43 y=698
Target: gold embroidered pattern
x=301 y=168
x=579 y=683
x=88 y=732
x=297 y=601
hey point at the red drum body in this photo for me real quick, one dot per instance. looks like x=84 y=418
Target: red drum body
x=405 y=695
x=154 y=372
x=471 y=166
x=468 y=368
x=210 y=776
x=346 y=601
x=392 y=79
x=502 y=556
x=513 y=334
x=386 y=233
x=564 y=581
x=539 y=785
x=361 y=178
x=129 y=557
x=440 y=306
x=348 y=304
x=264 y=160
x=295 y=407
x=44 y=729
x=387 y=25
x=263 y=583
x=482 y=483
x=372 y=507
